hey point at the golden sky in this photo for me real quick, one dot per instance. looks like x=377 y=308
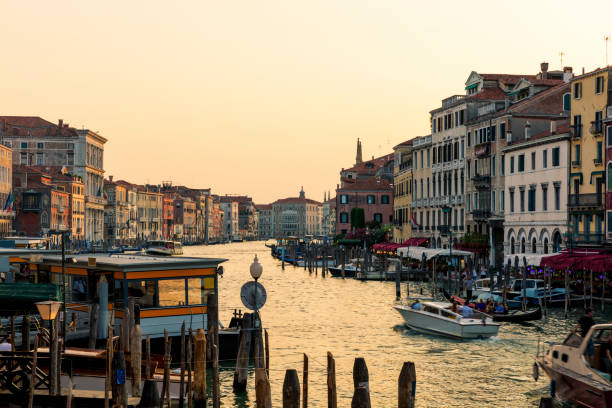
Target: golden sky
x=261 y=97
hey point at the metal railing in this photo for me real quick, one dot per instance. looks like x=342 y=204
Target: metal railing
x=585 y=200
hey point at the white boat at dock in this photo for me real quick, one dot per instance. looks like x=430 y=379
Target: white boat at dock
x=437 y=318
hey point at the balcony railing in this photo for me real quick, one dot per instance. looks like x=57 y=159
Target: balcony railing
x=575 y=162
x=585 y=200
x=596 y=127
x=594 y=238
x=481 y=214
x=597 y=161
x=481 y=181
x=577 y=130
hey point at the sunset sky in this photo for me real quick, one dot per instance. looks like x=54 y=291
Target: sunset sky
x=261 y=97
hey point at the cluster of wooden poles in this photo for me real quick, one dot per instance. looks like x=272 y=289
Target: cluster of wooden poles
x=361 y=383
x=313 y=253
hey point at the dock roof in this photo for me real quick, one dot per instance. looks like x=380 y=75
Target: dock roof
x=130 y=263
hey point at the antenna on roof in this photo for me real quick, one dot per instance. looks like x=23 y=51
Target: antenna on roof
x=561 y=54
x=606 y=39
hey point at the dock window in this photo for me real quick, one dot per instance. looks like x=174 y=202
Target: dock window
x=171 y=292
x=198 y=290
x=143 y=292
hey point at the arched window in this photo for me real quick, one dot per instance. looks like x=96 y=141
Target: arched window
x=545 y=249
x=556 y=241
x=533 y=245
x=512 y=245
x=523 y=245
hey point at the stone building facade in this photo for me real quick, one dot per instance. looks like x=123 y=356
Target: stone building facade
x=402 y=192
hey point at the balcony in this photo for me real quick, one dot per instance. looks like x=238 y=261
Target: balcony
x=596 y=127
x=577 y=131
x=575 y=163
x=482 y=182
x=588 y=239
x=481 y=215
x=585 y=200
x=597 y=161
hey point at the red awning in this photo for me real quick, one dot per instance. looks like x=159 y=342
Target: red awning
x=414 y=242
x=596 y=261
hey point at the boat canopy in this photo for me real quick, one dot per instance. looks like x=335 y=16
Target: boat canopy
x=429 y=253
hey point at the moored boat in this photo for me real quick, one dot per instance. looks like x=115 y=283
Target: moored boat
x=518 y=316
x=575 y=376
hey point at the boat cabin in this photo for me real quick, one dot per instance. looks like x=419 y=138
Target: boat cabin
x=166 y=290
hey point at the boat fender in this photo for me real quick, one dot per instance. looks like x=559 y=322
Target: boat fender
x=536 y=371
x=553 y=387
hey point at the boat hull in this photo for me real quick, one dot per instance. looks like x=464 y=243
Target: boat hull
x=432 y=324
x=337 y=272
x=584 y=393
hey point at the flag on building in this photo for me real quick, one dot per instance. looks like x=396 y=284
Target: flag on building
x=8 y=205
x=413 y=221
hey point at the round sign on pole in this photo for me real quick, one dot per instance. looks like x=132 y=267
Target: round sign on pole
x=247 y=295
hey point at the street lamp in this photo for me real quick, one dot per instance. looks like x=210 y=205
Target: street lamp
x=48 y=311
x=256 y=270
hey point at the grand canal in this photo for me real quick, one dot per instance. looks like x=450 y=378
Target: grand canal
x=306 y=313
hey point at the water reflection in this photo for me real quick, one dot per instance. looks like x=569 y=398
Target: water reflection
x=305 y=313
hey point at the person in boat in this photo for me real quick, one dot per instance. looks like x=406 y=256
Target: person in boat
x=606 y=355
x=417 y=305
x=483 y=272
x=481 y=305
x=584 y=325
x=500 y=308
x=466 y=311
x=585 y=322
x=454 y=308
x=6 y=345
x=468 y=284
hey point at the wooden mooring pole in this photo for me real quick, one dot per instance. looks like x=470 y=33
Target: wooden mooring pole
x=305 y=383
x=33 y=374
x=361 y=380
x=407 y=386
x=332 y=396
x=262 y=389
x=136 y=358
x=291 y=390
x=199 y=383
x=182 y=368
x=242 y=359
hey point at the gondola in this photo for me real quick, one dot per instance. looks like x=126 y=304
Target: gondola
x=513 y=316
x=518 y=316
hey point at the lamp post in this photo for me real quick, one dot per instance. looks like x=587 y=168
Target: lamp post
x=256 y=270
x=48 y=311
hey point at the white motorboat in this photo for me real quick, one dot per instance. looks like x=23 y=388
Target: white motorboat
x=437 y=318
x=164 y=248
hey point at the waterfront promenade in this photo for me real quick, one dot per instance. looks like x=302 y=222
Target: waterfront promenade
x=310 y=314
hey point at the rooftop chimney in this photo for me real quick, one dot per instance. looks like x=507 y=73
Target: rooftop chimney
x=544 y=70
x=527 y=130
x=60 y=123
x=553 y=127
x=567 y=74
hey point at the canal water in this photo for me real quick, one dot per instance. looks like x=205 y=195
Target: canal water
x=306 y=313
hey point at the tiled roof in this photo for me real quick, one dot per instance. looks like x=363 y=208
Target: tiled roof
x=377 y=163
x=238 y=199
x=365 y=184
x=492 y=93
x=296 y=200
x=546 y=101
x=34 y=126
x=263 y=206
x=563 y=127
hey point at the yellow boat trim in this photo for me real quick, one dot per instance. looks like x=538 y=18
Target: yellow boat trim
x=168 y=273
x=171 y=311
